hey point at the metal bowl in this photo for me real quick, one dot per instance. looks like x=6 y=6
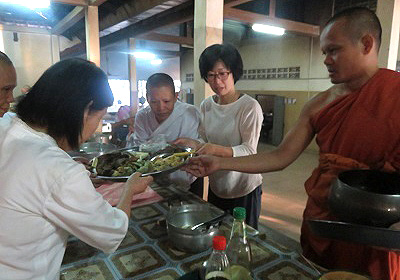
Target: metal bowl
x=180 y=219
x=94 y=149
x=367 y=197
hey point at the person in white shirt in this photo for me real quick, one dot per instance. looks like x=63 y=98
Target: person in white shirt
x=45 y=195
x=232 y=124
x=168 y=116
x=8 y=81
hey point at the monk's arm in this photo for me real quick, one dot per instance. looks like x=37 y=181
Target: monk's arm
x=293 y=144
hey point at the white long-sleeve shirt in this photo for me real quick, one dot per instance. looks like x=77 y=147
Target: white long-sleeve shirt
x=235 y=125
x=184 y=121
x=44 y=196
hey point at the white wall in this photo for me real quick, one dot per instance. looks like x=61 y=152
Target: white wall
x=274 y=52
x=32 y=52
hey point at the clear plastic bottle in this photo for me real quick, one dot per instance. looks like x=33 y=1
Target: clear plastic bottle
x=217 y=267
x=238 y=249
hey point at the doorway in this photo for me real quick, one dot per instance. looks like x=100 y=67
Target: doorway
x=273 y=107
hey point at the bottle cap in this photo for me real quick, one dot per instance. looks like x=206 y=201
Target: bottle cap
x=239 y=213
x=219 y=242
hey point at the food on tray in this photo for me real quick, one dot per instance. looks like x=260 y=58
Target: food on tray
x=161 y=163
x=120 y=163
x=125 y=163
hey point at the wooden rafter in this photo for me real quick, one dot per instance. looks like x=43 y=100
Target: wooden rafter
x=233 y=3
x=72 y=2
x=81 y=2
x=173 y=16
x=97 y=2
x=272 y=8
x=69 y=20
x=152 y=36
x=289 y=25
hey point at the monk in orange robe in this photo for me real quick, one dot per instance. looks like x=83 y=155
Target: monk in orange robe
x=357 y=123
x=357 y=130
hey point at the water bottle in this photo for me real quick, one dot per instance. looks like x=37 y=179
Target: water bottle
x=238 y=249
x=217 y=267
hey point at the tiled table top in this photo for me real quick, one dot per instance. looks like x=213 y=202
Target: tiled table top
x=146 y=253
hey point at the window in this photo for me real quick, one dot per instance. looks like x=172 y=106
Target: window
x=121 y=92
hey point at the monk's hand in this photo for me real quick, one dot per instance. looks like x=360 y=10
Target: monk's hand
x=202 y=166
x=187 y=142
x=139 y=184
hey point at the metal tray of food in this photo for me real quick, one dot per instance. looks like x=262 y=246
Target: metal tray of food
x=120 y=164
x=373 y=236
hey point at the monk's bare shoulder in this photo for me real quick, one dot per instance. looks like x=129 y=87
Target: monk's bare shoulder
x=320 y=100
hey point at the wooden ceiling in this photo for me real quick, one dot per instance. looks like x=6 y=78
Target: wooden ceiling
x=122 y=19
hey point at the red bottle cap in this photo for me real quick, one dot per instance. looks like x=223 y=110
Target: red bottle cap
x=219 y=242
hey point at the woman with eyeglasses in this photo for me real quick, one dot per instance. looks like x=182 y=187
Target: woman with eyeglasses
x=231 y=128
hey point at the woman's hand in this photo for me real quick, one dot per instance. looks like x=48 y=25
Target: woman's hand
x=207 y=149
x=187 y=142
x=215 y=150
x=139 y=184
x=202 y=166
x=134 y=185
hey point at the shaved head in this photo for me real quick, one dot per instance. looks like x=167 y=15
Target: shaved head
x=5 y=60
x=358 y=22
x=8 y=81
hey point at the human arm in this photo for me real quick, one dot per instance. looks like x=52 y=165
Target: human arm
x=74 y=205
x=122 y=122
x=188 y=142
x=134 y=185
x=297 y=139
x=249 y=120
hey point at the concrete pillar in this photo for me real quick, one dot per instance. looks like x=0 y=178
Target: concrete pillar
x=92 y=34
x=208 y=24
x=388 y=12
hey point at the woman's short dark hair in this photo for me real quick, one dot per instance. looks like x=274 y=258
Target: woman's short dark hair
x=57 y=101
x=160 y=80
x=227 y=53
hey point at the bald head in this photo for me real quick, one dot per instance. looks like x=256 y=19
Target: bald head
x=8 y=81
x=358 y=22
x=5 y=60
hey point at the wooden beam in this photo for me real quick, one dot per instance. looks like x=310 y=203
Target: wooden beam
x=97 y=2
x=173 y=16
x=289 y=25
x=69 y=20
x=92 y=34
x=272 y=8
x=72 y=2
x=232 y=3
x=153 y=36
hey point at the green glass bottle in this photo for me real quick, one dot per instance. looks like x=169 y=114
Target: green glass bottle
x=238 y=249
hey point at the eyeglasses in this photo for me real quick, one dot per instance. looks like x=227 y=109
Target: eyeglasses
x=221 y=75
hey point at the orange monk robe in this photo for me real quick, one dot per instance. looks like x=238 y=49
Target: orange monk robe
x=358 y=130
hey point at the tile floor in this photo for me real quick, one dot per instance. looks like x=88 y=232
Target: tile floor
x=284 y=197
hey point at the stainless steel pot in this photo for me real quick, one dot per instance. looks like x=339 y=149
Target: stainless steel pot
x=180 y=219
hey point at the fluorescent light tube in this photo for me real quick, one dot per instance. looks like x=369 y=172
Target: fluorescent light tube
x=144 y=55
x=156 y=61
x=269 y=29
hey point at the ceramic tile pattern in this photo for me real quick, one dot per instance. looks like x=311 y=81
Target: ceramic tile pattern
x=146 y=252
